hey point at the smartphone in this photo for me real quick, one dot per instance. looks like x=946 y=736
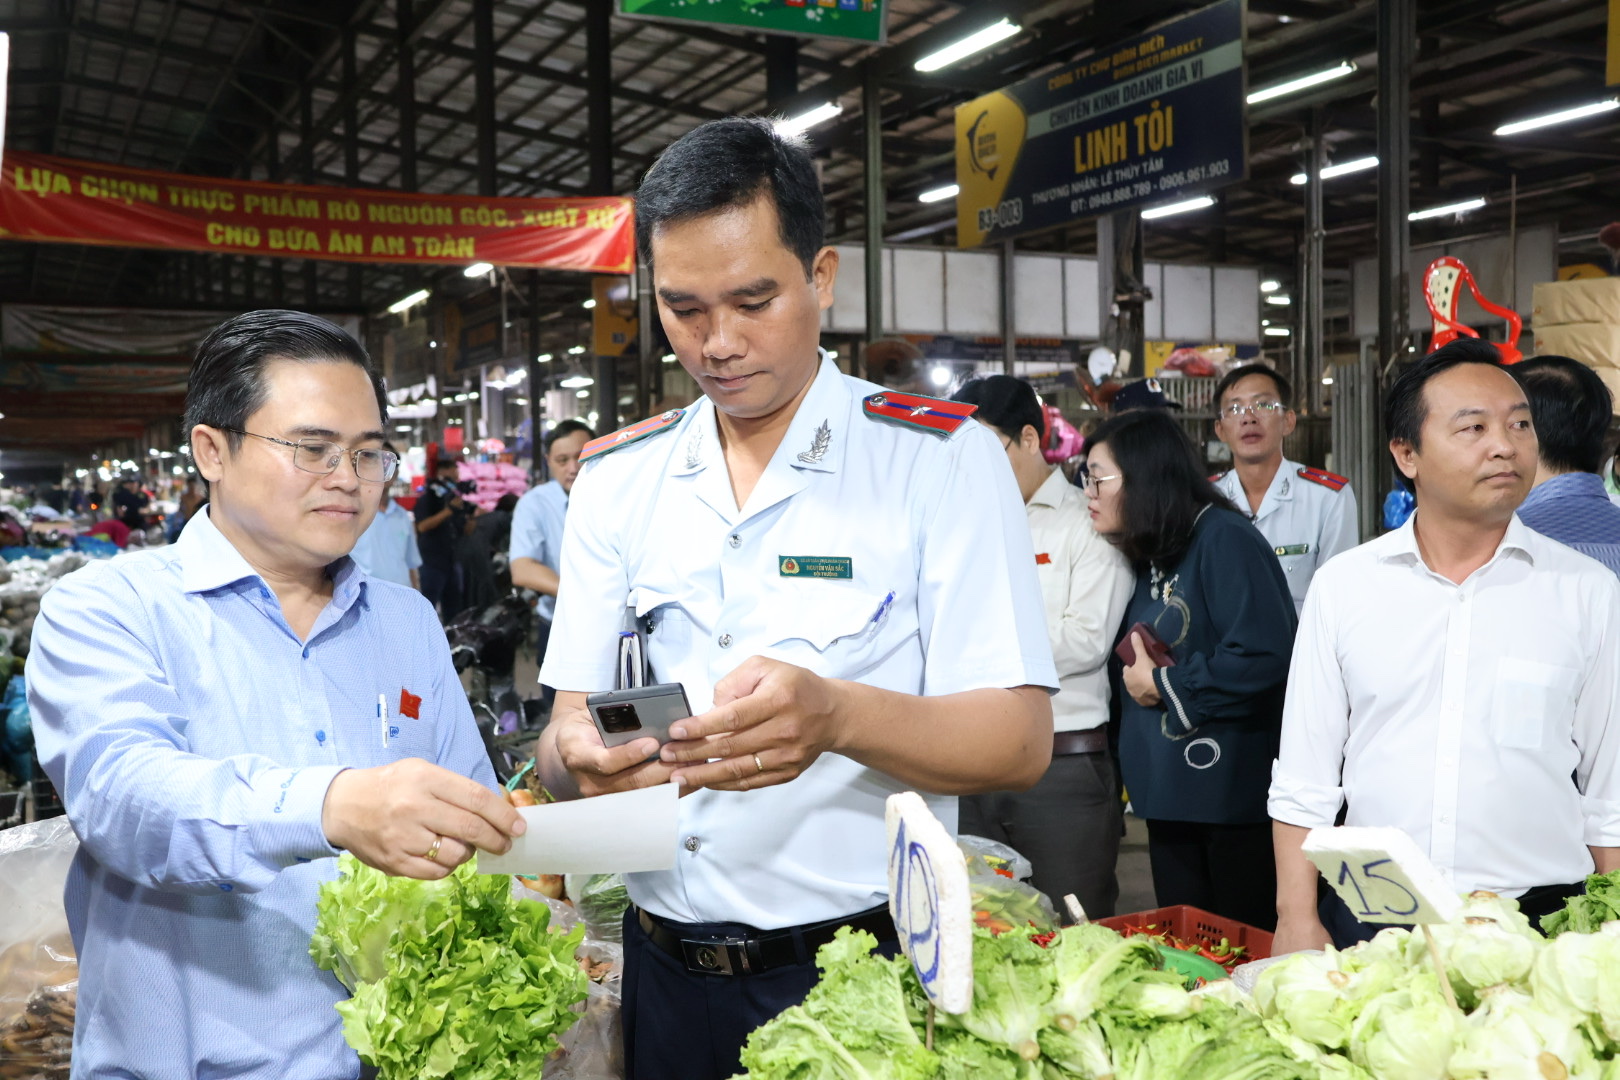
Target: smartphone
x=623 y=716
x=1157 y=650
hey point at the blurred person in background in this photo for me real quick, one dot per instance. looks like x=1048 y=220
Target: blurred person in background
x=1307 y=515
x=1572 y=409
x=441 y=520
x=1197 y=734
x=486 y=534
x=130 y=502
x=387 y=549
x=1069 y=824
x=537 y=528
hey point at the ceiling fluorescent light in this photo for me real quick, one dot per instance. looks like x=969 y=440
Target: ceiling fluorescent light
x=1270 y=286
x=969 y=45
x=796 y=125
x=478 y=269
x=1304 y=82
x=575 y=382
x=1358 y=165
x=939 y=194
x=400 y=306
x=1177 y=207
x=1446 y=210
x=1564 y=117
x=1277 y=331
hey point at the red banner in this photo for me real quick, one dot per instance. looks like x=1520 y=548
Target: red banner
x=58 y=200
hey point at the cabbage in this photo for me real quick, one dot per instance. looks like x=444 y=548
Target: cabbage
x=1512 y=1037
x=1580 y=974
x=1490 y=943
x=1319 y=995
x=1406 y=1033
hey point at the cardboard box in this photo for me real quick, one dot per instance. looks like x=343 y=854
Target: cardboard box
x=1594 y=343
x=1587 y=300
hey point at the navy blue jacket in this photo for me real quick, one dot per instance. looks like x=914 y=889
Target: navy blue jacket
x=1204 y=753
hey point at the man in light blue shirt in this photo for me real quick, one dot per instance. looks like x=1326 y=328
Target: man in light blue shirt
x=225 y=715
x=1570 y=407
x=387 y=549
x=537 y=522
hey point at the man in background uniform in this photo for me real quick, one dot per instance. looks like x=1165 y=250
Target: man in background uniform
x=1308 y=515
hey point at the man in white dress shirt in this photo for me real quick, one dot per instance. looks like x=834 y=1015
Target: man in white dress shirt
x=1308 y=515
x=1455 y=678
x=1069 y=824
x=839 y=576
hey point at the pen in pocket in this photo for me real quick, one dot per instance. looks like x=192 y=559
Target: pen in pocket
x=382 y=718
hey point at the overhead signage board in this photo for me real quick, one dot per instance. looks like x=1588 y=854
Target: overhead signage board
x=1152 y=120
x=858 y=20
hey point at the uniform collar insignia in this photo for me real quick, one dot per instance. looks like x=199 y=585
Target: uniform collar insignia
x=694 y=447
x=818 y=446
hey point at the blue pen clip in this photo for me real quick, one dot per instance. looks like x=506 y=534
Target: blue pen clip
x=883 y=608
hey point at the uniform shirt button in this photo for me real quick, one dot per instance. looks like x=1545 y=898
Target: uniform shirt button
x=692 y=843
x=725 y=641
x=734 y=540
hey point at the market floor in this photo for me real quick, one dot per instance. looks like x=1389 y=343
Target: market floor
x=1135 y=877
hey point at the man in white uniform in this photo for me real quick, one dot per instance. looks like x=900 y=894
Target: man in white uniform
x=1455 y=678
x=387 y=549
x=1068 y=826
x=1308 y=515
x=841 y=578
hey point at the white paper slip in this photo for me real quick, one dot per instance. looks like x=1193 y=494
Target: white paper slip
x=610 y=834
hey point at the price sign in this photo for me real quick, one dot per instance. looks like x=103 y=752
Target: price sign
x=930 y=901
x=1382 y=876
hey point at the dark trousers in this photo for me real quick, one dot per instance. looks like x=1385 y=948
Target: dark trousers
x=442 y=587
x=1225 y=869
x=1347 y=930
x=680 y=1025
x=1068 y=826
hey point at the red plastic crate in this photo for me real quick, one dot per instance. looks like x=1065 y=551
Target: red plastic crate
x=1192 y=924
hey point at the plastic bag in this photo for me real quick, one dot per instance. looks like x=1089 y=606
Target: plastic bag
x=39 y=973
x=1002 y=895
x=593 y=1049
x=601 y=900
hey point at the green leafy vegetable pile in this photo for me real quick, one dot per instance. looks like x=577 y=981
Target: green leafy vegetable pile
x=1087 y=1003
x=1584 y=914
x=450 y=978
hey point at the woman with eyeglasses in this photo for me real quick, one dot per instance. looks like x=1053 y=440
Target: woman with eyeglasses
x=1205 y=646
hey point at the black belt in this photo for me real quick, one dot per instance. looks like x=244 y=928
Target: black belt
x=1094 y=741
x=753 y=953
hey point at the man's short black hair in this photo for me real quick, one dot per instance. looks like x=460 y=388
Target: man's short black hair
x=227 y=375
x=1005 y=403
x=1285 y=393
x=729 y=163
x=566 y=428
x=449 y=461
x=1570 y=407
x=1404 y=407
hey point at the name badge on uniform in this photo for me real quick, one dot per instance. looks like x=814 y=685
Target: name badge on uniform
x=1293 y=549
x=816 y=566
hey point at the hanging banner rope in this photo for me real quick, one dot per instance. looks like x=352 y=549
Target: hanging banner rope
x=58 y=200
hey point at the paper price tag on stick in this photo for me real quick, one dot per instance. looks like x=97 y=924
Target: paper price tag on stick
x=1382 y=876
x=930 y=902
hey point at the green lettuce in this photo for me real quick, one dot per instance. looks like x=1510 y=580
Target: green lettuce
x=1012 y=991
x=1406 y=1033
x=1489 y=943
x=1580 y=974
x=1511 y=1036
x=854 y=1025
x=450 y=978
x=1586 y=913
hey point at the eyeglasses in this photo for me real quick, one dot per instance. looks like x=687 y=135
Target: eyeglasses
x=1089 y=483
x=321 y=458
x=1237 y=411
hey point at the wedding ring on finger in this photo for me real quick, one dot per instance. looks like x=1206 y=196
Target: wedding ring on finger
x=432 y=853
x=758 y=764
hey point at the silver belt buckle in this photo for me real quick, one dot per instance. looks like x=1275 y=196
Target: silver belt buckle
x=728 y=957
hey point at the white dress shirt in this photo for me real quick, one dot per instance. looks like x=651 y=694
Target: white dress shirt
x=1459 y=713
x=1086 y=584
x=1305 y=521
x=940 y=597
x=537 y=532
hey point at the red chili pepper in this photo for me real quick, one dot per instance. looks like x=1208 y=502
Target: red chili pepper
x=1003 y=871
x=1043 y=940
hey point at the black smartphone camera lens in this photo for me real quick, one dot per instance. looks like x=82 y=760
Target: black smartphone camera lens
x=617 y=719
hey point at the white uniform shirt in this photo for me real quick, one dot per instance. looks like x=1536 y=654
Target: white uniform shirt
x=1458 y=713
x=1086 y=584
x=387 y=549
x=934 y=522
x=1305 y=522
